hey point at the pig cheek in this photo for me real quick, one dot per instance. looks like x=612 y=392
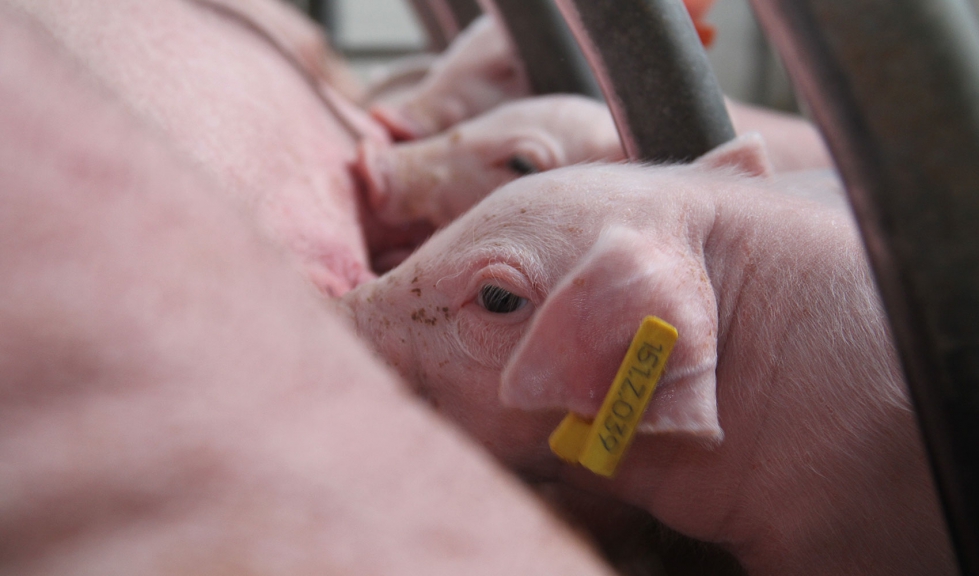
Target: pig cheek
x=484 y=179
x=517 y=438
x=417 y=189
x=448 y=379
x=431 y=112
x=450 y=111
x=467 y=394
x=489 y=344
x=470 y=181
x=417 y=203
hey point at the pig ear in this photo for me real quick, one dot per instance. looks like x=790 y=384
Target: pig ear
x=746 y=153
x=578 y=338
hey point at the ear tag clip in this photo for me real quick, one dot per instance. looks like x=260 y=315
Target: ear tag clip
x=600 y=444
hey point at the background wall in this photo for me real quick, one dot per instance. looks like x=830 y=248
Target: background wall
x=372 y=32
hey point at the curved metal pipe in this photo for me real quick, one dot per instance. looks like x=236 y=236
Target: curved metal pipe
x=437 y=21
x=443 y=20
x=324 y=12
x=464 y=12
x=550 y=53
x=894 y=86
x=655 y=75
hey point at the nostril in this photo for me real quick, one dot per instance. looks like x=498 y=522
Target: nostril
x=345 y=308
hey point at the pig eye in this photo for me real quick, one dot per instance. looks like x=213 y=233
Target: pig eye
x=521 y=165
x=499 y=301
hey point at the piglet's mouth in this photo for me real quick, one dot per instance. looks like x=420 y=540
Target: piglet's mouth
x=389 y=347
x=424 y=394
x=344 y=310
x=416 y=384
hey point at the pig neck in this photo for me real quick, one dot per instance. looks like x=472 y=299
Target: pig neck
x=819 y=440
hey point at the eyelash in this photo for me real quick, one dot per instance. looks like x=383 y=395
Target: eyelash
x=499 y=300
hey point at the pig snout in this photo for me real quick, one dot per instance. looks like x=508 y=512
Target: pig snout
x=434 y=343
x=392 y=189
x=378 y=314
x=424 y=115
x=370 y=313
x=478 y=72
x=413 y=182
x=373 y=170
x=438 y=178
x=401 y=124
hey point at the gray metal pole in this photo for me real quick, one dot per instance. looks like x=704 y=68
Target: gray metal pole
x=438 y=29
x=324 y=12
x=894 y=85
x=464 y=12
x=655 y=75
x=444 y=19
x=550 y=54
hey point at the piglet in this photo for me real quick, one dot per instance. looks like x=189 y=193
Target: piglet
x=479 y=71
x=438 y=178
x=781 y=429
x=176 y=400
x=476 y=73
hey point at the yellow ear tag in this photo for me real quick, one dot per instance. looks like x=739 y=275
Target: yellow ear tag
x=599 y=445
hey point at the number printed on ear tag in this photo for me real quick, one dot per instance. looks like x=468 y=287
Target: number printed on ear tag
x=600 y=444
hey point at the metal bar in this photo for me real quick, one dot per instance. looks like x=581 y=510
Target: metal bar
x=655 y=75
x=550 y=54
x=464 y=12
x=324 y=12
x=378 y=52
x=894 y=85
x=445 y=19
x=431 y=15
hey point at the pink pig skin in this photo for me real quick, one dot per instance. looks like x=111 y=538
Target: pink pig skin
x=175 y=400
x=476 y=73
x=435 y=179
x=297 y=36
x=793 y=142
x=481 y=71
x=781 y=429
x=438 y=178
x=244 y=103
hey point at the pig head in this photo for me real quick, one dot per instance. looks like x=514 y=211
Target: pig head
x=469 y=311
x=477 y=72
x=438 y=178
x=780 y=428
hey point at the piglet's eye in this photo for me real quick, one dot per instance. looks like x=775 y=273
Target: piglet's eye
x=499 y=301
x=521 y=165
